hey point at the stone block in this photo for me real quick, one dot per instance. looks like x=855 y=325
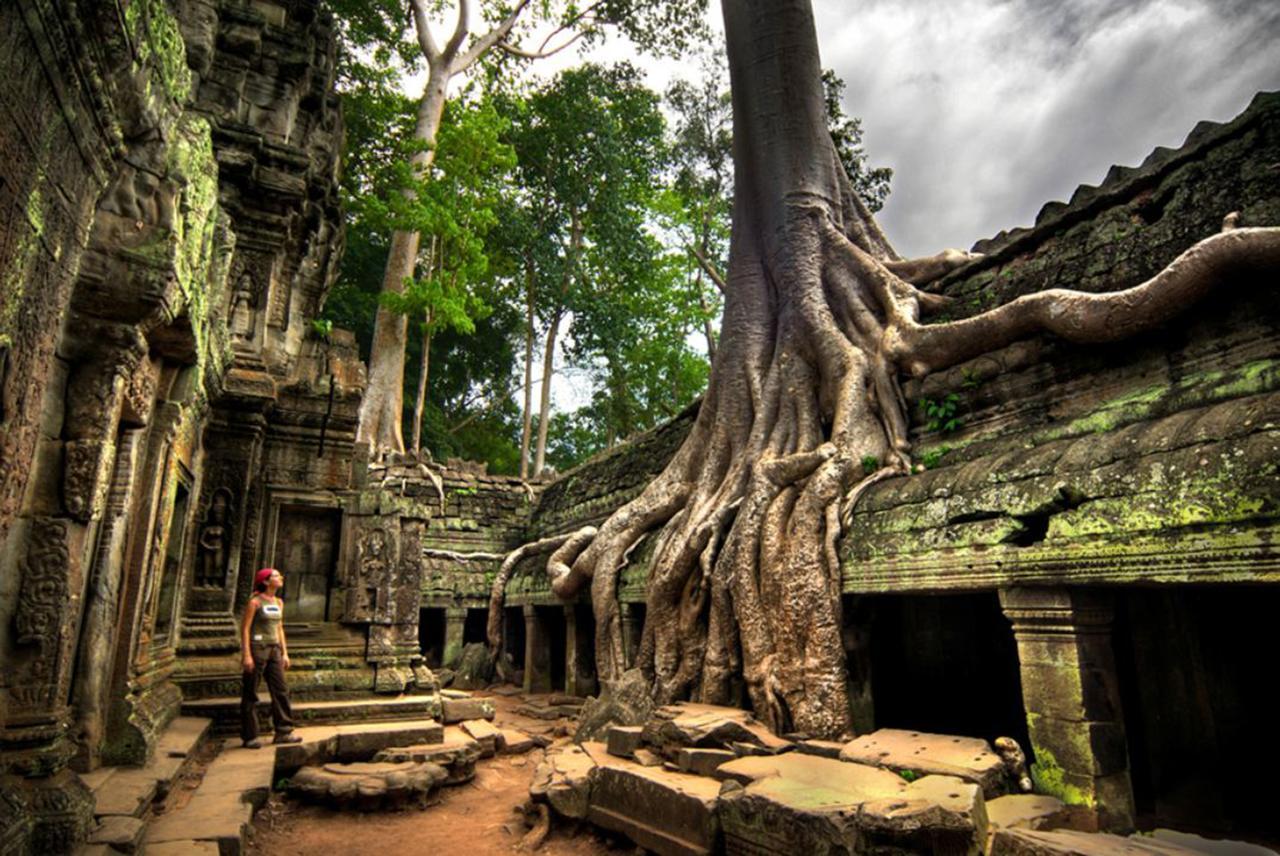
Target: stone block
x=624 y=740
x=219 y=818
x=119 y=832
x=460 y=709
x=511 y=742
x=702 y=762
x=361 y=743
x=821 y=748
x=708 y=726
x=936 y=814
x=968 y=758
x=130 y=793
x=484 y=733
x=1027 y=811
x=669 y=813
x=183 y=848
x=1086 y=748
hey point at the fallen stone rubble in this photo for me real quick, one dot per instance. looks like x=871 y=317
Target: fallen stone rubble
x=699 y=779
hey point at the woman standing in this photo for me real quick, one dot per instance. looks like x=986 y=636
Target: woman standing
x=264 y=652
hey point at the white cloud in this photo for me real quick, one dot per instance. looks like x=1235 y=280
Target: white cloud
x=988 y=109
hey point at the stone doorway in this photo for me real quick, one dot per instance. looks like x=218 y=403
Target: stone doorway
x=1196 y=667
x=431 y=636
x=945 y=664
x=306 y=552
x=552 y=620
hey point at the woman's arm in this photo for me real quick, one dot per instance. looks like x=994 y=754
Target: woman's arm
x=246 y=653
x=284 y=646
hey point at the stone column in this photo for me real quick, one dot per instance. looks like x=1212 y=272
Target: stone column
x=579 y=654
x=455 y=624
x=632 y=627
x=1072 y=699
x=537 y=653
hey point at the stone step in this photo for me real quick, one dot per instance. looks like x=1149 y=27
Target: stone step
x=968 y=758
x=239 y=781
x=225 y=710
x=131 y=791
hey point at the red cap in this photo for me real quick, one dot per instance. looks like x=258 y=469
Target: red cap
x=262 y=576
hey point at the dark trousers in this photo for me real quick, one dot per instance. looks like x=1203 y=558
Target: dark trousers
x=267 y=661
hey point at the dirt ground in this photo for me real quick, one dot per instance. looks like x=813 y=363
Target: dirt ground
x=480 y=818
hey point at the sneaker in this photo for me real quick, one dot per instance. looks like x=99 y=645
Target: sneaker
x=287 y=737
x=252 y=744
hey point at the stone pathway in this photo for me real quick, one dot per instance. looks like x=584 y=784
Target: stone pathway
x=124 y=796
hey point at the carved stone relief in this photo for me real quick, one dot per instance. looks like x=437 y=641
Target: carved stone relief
x=214 y=545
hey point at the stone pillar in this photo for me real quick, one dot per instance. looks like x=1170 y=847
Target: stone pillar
x=632 y=627
x=537 y=653
x=455 y=624
x=1072 y=699
x=579 y=653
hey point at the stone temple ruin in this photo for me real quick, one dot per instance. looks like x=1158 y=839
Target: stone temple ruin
x=1087 y=565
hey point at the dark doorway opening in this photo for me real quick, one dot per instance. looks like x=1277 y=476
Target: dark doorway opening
x=585 y=656
x=513 y=637
x=635 y=631
x=167 y=598
x=476 y=627
x=946 y=664
x=306 y=552
x=552 y=620
x=1196 y=667
x=431 y=635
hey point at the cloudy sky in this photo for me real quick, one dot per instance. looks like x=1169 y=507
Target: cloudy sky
x=987 y=109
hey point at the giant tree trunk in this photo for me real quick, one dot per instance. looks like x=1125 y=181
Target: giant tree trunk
x=382 y=409
x=420 y=402
x=821 y=318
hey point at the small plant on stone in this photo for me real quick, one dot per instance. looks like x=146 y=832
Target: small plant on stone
x=870 y=463
x=909 y=775
x=466 y=491
x=322 y=328
x=942 y=413
x=930 y=459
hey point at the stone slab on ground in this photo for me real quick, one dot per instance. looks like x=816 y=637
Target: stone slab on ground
x=120 y=832
x=460 y=709
x=369 y=786
x=131 y=793
x=183 y=735
x=1038 y=842
x=512 y=742
x=96 y=779
x=798 y=803
x=219 y=818
x=1211 y=846
x=968 y=758
x=539 y=711
x=183 y=848
x=672 y=814
x=484 y=733
x=247 y=773
x=1027 y=811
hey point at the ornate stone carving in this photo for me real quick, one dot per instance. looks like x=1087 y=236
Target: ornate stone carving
x=367 y=599
x=214 y=545
x=44 y=586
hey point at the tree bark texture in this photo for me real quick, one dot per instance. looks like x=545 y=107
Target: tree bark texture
x=818 y=328
x=526 y=428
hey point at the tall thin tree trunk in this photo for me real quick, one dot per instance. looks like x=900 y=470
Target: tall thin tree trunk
x=544 y=410
x=544 y=401
x=526 y=431
x=420 y=403
x=381 y=411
